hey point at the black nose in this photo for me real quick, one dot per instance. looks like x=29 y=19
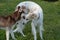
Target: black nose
x=26 y=19
x=17 y=23
x=23 y=17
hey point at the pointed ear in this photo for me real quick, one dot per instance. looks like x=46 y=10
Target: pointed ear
x=17 y=8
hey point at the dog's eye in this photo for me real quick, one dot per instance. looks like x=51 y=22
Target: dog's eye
x=17 y=23
x=23 y=17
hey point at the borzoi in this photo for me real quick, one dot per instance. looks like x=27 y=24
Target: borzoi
x=32 y=11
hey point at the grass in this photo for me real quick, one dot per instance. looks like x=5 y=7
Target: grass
x=51 y=19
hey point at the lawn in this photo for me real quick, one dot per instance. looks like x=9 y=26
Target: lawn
x=51 y=19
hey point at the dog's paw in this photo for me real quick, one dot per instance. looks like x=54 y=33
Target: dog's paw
x=24 y=35
x=14 y=39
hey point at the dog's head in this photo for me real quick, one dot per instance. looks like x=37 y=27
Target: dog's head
x=17 y=14
x=21 y=8
x=30 y=16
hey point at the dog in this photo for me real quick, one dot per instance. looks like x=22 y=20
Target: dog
x=7 y=23
x=33 y=12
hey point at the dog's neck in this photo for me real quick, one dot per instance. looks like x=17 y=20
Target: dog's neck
x=15 y=15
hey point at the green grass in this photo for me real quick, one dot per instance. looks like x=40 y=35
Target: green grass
x=51 y=19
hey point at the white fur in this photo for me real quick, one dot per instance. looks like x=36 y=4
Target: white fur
x=37 y=18
x=20 y=27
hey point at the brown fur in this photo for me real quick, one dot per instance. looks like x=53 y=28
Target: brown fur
x=6 y=21
x=11 y=19
x=23 y=7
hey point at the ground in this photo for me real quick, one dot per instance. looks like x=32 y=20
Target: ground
x=51 y=19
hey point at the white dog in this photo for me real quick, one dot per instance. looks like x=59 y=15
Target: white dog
x=32 y=11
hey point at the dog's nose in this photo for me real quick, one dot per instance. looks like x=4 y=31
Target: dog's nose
x=26 y=19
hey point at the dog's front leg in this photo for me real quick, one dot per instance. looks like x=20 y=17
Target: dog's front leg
x=20 y=29
x=34 y=31
x=12 y=34
x=7 y=33
x=15 y=30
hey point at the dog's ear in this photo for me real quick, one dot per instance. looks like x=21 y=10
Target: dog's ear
x=17 y=8
x=15 y=15
x=23 y=7
x=33 y=15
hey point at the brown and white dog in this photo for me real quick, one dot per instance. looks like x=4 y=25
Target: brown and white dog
x=32 y=11
x=8 y=22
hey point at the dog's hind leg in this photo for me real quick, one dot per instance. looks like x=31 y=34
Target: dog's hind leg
x=41 y=29
x=34 y=31
x=7 y=33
